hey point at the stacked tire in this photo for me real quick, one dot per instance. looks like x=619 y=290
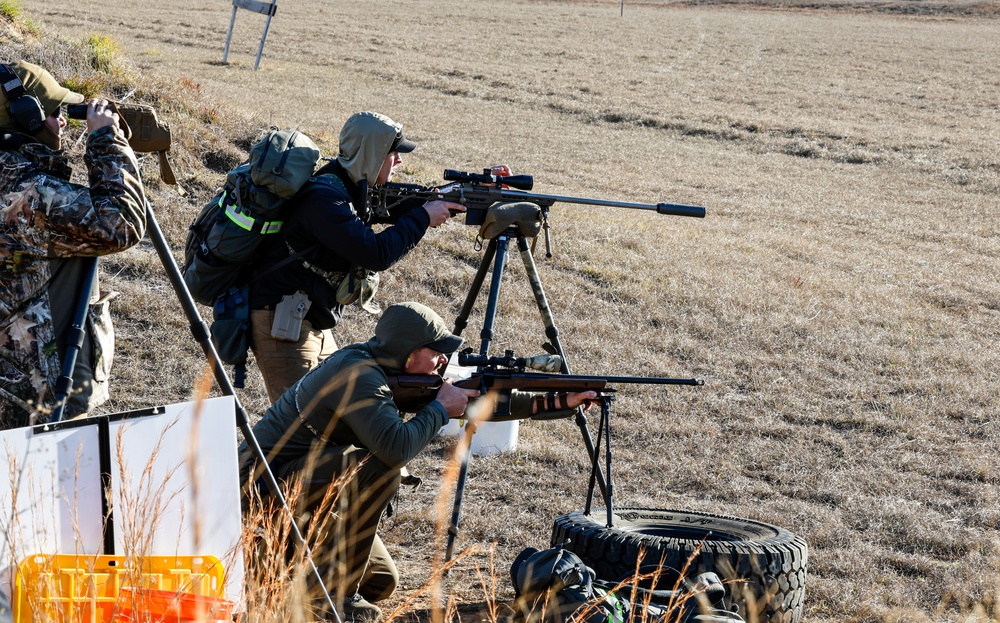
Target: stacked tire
x=764 y=566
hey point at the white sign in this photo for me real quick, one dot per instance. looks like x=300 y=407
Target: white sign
x=174 y=487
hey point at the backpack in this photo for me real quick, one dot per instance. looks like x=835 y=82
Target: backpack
x=556 y=586
x=224 y=237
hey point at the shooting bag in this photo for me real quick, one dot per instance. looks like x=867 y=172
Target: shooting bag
x=224 y=237
x=500 y=217
x=556 y=586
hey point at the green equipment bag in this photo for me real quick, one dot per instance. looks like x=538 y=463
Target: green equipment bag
x=555 y=586
x=224 y=237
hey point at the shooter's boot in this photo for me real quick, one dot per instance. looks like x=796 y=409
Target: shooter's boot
x=357 y=609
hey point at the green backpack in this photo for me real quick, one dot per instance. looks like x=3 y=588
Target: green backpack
x=224 y=237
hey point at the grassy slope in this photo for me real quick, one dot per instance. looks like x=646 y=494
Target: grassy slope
x=840 y=300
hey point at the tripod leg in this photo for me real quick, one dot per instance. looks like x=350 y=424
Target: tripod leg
x=491 y=303
x=74 y=342
x=498 y=250
x=477 y=284
x=203 y=336
x=552 y=333
x=463 y=472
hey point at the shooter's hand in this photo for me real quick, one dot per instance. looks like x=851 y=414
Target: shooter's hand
x=501 y=170
x=440 y=211
x=584 y=399
x=562 y=401
x=100 y=114
x=454 y=399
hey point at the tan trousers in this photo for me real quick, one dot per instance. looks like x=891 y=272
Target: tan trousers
x=282 y=364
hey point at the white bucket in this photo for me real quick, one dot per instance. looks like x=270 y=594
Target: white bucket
x=491 y=437
x=494 y=437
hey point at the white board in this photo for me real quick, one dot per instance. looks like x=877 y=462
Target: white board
x=175 y=483
x=50 y=496
x=174 y=488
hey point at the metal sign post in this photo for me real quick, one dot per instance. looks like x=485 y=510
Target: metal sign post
x=257 y=6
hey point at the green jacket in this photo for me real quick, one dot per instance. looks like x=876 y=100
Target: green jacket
x=346 y=400
x=343 y=401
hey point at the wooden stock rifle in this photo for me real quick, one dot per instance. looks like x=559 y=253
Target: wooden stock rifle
x=411 y=392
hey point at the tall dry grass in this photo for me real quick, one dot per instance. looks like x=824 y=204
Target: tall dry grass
x=840 y=299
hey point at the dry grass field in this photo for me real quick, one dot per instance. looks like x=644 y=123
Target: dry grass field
x=841 y=299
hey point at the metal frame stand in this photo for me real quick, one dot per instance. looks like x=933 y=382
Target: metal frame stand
x=202 y=334
x=493 y=261
x=257 y=6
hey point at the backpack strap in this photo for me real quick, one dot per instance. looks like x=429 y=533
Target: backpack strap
x=243 y=218
x=331 y=277
x=292 y=256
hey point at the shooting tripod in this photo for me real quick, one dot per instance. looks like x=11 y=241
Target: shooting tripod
x=202 y=334
x=495 y=256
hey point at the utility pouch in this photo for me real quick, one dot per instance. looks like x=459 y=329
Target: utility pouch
x=288 y=316
x=231 y=329
x=147 y=134
x=359 y=285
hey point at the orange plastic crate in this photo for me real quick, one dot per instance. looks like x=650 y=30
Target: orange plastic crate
x=151 y=605
x=88 y=589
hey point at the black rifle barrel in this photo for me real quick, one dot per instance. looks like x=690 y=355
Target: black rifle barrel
x=513 y=378
x=391 y=194
x=673 y=209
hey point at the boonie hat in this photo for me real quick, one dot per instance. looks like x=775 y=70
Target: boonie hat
x=40 y=83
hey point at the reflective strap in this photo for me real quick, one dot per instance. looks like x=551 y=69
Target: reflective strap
x=245 y=220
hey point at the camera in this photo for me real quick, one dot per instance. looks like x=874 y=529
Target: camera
x=76 y=111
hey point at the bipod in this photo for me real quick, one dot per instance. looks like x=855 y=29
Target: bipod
x=202 y=334
x=493 y=261
x=603 y=429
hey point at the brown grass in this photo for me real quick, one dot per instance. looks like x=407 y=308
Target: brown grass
x=840 y=300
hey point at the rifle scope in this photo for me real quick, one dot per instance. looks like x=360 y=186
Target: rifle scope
x=542 y=363
x=521 y=182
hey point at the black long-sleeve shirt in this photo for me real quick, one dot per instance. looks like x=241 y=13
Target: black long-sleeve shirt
x=322 y=216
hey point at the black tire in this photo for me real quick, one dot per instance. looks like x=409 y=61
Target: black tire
x=764 y=565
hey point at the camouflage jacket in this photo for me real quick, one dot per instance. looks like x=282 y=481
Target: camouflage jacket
x=44 y=218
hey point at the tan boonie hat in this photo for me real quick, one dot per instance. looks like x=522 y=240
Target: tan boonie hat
x=39 y=83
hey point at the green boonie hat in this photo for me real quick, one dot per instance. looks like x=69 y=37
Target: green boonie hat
x=39 y=83
x=419 y=326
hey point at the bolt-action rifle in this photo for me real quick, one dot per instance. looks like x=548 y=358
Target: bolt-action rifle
x=477 y=192
x=410 y=392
